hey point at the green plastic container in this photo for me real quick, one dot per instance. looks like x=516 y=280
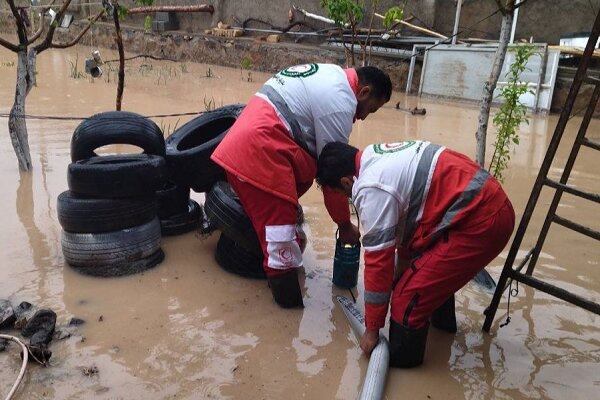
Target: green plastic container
x=345 y=265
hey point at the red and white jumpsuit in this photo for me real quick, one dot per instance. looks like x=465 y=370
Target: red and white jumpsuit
x=439 y=209
x=270 y=153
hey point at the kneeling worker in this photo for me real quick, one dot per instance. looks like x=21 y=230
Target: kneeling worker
x=442 y=212
x=270 y=155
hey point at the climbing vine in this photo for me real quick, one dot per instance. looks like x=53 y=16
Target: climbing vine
x=512 y=112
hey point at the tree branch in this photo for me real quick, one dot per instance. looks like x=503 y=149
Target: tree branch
x=47 y=43
x=78 y=38
x=9 y=45
x=119 y=41
x=40 y=30
x=21 y=30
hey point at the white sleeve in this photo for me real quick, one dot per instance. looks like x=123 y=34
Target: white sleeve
x=333 y=127
x=379 y=213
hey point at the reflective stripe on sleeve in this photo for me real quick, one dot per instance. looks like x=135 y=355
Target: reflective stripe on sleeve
x=377 y=297
x=377 y=238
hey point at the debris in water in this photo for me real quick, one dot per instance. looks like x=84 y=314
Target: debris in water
x=90 y=371
x=414 y=111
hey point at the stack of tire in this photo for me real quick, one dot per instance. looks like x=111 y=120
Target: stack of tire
x=109 y=214
x=188 y=151
x=238 y=249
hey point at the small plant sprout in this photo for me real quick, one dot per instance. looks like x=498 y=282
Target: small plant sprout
x=512 y=111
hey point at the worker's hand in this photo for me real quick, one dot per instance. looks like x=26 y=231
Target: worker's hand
x=349 y=233
x=369 y=340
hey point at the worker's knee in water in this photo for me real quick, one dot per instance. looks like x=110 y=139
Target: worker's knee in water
x=407 y=345
x=285 y=288
x=444 y=317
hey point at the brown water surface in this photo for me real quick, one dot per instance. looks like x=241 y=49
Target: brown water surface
x=189 y=330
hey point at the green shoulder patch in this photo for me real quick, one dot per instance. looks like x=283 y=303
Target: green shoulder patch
x=300 y=71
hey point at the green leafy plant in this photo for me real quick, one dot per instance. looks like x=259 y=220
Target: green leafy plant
x=346 y=13
x=512 y=112
x=342 y=12
x=393 y=14
x=148 y=24
x=246 y=64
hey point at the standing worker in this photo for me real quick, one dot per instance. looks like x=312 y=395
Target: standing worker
x=447 y=217
x=270 y=156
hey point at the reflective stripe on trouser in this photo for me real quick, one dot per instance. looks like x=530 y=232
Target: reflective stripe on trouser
x=265 y=209
x=449 y=264
x=283 y=251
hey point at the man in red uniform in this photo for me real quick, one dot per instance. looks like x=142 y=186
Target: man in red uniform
x=436 y=208
x=270 y=156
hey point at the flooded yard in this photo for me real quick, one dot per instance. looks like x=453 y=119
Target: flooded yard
x=189 y=330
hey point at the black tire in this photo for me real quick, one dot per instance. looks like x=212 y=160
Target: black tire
x=102 y=250
x=236 y=259
x=128 y=268
x=225 y=212
x=125 y=175
x=94 y=215
x=189 y=148
x=116 y=127
x=172 y=200
x=182 y=223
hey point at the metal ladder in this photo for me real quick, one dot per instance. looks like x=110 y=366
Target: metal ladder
x=560 y=187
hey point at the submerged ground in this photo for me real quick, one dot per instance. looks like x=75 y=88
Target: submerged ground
x=187 y=329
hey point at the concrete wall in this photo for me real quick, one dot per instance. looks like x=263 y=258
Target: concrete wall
x=545 y=21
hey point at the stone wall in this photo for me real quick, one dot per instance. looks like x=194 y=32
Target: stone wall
x=267 y=57
x=545 y=21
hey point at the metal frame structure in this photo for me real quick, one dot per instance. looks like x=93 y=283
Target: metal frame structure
x=562 y=186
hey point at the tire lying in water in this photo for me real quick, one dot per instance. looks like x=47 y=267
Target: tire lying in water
x=183 y=222
x=115 y=253
x=236 y=259
x=189 y=148
x=94 y=215
x=225 y=212
x=124 y=175
x=116 y=127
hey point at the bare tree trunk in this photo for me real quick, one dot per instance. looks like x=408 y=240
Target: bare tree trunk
x=490 y=86
x=17 y=126
x=119 y=40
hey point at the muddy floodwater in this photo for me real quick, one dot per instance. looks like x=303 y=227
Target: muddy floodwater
x=189 y=330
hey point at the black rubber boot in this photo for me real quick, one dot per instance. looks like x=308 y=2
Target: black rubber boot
x=444 y=318
x=286 y=289
x=407 y=346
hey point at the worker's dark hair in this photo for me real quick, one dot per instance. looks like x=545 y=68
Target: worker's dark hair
x=381 y=85
x=336 y=160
